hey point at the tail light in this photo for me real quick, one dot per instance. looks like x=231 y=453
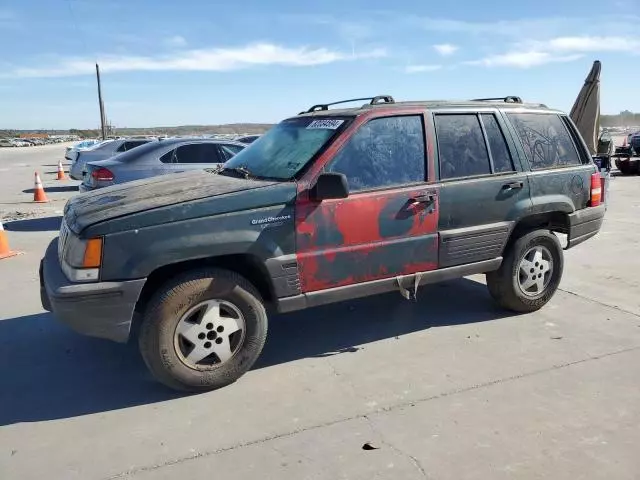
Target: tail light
x=596 y=189
x=102 y=174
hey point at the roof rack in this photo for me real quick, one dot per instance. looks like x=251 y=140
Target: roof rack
x=508 y=99
x=372 y=101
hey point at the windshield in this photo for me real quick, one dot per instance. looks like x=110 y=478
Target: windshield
x=286 y=148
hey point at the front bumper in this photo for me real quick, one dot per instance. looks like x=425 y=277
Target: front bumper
x=102 y=309
x=584 y=224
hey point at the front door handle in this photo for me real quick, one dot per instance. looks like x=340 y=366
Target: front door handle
x=425 y=198
x=513 y=186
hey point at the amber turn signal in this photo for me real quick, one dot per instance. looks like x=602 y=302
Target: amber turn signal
x=93 y=253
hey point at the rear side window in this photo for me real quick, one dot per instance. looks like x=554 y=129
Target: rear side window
x=234 y=148
x=461 y=146
x=384 y=152
x=545 y=139
x=500 y=154
x=130 y=144
x=168 y=157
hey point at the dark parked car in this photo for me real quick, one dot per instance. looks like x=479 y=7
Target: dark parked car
x=330 y=205
x=625 y=161
x=158 y=158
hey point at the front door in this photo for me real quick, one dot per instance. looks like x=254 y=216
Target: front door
x=483 y=191
x=388 y=225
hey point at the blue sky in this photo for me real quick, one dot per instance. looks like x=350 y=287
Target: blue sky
x=209 y=62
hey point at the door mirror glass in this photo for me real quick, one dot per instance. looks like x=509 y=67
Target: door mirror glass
x=329 y=186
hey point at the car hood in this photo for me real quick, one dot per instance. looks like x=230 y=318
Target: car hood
x=108 y=203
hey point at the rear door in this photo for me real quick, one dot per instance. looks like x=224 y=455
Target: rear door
x=484 y=189
x=387 y=226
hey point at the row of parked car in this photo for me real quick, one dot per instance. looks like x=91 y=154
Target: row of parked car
x=22 y=142
x=103 y=163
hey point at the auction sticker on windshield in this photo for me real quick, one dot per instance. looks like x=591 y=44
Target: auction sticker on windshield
x=325 y=124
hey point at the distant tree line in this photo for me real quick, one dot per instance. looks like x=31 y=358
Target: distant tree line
x=623 y=119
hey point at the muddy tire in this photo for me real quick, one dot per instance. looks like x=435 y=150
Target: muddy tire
x=203 y=330
x=530 y=272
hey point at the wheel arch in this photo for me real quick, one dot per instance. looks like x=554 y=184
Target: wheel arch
x=247 y=265
x=555 y=221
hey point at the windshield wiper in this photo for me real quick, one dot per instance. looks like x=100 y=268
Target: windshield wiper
x=242 y=170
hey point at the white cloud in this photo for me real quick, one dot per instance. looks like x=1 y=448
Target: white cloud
x=498 y=27
x=176 y=41
x=212 y=59
x=556 y=50
x=445 y=49
x=589 y=44
x=421 y=68
x=523 y=59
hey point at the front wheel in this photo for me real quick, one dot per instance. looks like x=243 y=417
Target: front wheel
x=203 y=330
x=530 y=272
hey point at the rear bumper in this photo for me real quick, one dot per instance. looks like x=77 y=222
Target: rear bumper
x=75 y=171
x=103 y=309
x=584 y=224
x=85 y=188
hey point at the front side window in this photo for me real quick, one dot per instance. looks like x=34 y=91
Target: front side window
x=286 y=148
x=461 y=146
x=384 y=152
x=545 y=139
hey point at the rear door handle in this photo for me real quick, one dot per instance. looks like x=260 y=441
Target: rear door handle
x=425 y=198
x=513 y=186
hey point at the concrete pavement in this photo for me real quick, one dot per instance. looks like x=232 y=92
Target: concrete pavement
x=449 y=387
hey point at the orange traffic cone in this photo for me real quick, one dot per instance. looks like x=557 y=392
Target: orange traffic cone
x=61 y=175
x=5 y=251
x=38 y=193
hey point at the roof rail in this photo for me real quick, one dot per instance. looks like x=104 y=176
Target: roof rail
x=372 y=101
x=508 y=99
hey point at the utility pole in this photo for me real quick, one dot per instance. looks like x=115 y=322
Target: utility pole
x=102 y=125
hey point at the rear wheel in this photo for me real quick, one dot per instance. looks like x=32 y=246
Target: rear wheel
x=530 y=272
x=203 y=330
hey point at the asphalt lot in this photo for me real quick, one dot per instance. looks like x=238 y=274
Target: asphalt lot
x=449 y=387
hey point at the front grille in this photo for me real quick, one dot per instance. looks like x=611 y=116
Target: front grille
x=62 y=239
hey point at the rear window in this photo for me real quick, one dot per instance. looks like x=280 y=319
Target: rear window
x=545 y=139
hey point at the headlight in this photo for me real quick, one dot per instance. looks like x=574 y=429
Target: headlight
x=82 y=259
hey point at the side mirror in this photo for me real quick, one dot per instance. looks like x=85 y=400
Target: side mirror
x=330 y=186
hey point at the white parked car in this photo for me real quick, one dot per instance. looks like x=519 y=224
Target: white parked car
x=72 y=152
